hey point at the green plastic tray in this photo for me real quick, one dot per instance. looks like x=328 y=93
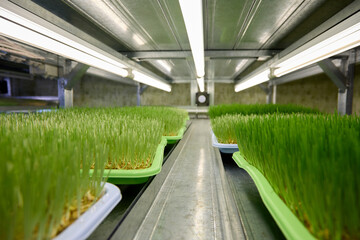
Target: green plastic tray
x=174 y=139
x=137 y=176
x=286 y=220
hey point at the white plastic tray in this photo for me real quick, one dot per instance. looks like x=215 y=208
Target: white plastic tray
x=89 y=220
x=224 y=148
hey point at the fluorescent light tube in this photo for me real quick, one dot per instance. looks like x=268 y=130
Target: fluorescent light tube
x=21 y=29
x=18 y=28
x=342 y=37
x=193 y=18
x=145 y=79
x=253 y=80
x=201 y=84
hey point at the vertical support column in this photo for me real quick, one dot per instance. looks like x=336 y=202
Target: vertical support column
x=211 y=90
x=345 y=96
x=61 y=92
x=342 y=91
x=350 y=81
x=269 y=95
x=274 y=94
x=138 y=95
x=193 y=91
x=65 y=96
x=342 y=96
x=69 y=98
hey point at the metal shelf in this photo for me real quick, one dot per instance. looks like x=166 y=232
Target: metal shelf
x=199 y=194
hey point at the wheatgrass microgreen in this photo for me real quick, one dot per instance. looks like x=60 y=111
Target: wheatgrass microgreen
x=312 y=163
x=42 y=154
x=224 y=117
x=224 y=128
x=223 y=109
x=42 y=189
x=172 y=118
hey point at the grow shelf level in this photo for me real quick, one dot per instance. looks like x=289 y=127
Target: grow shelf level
x=174 y=139
x=138 y=176
x=224 y=148
x=286 y=220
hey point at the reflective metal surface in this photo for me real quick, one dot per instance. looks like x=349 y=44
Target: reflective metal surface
x=157 y=25
x=257 y=221
x=192 y=201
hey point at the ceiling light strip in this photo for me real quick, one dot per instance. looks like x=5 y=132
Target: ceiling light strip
x=255 y=79
x=20 y=33
x=201 y=84
x=338 y=39
x=342 y=37
x=6 y=14
x=193 y=18
x=21 y=29
x=145 y=79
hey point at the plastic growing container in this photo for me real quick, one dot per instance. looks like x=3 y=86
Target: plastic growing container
x=137 y=176
x=174 y=139
x=224 y=148
x=286 y=220
x=89 y=220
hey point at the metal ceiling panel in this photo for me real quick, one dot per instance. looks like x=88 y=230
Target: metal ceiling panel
x=149 y=20
x=175 y=68
x=144 y=28
x=224 y=20
x=141 y=24
x=226 y=68
x=264 y=18
x=63 y=16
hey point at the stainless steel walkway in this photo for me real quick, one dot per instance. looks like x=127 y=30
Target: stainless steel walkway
x=189 y=199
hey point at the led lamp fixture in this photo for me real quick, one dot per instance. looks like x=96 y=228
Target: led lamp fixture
x=253 y=80
x=193 y=18
x=18 y=28
x=23 y=30
x=145 y=79
x=342 y=37
x=201 y=84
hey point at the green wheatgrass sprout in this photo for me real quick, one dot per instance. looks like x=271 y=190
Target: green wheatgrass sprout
x=172 y=118
x=312 y=162
x=219 y=110
x=224 y=128
x=131 y=140
x=43 y=189
x=224 y=117
x=41 y=156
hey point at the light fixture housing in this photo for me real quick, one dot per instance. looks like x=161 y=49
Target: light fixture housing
x=253 y=80
x=201 y=84
x=21 y=29
x=52 y=39
x=340 y=38
x=145 y=79
x=193 y=18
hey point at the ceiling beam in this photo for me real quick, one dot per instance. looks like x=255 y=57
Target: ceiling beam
x=217 y=80
x=333 y=73
x=75 y=75
x=144 y=55
x=95 y=54
x=297 y=75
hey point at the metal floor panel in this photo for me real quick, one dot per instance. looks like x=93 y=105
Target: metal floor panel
x=256 y=219
x=189 y=199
